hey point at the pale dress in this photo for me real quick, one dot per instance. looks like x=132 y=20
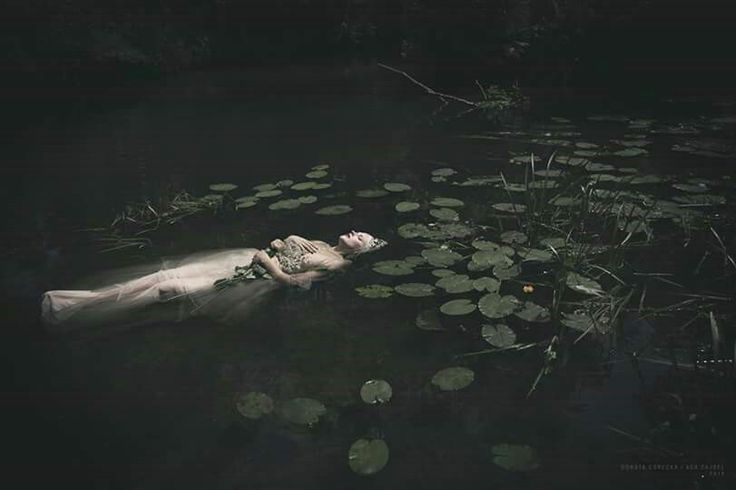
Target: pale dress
x=178 y=290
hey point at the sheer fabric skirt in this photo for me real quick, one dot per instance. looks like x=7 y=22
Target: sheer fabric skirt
x=171 y=290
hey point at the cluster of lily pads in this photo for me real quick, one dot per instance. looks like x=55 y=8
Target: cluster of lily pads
x=367 y=456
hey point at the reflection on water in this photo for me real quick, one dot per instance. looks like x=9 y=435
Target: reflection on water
x=154 y=406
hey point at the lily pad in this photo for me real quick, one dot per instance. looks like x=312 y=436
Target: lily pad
x=444 y=214
x=285 y=204
x=303 y=186
x=514 y=457
x=375 y=391
x=493 y=305
x=246 y=204
x=415 y=289
x=444 y=172
x=535 y=255
x=321 y=185
x=393 y=268
x=223 y=187
x=442 y=272
x=694 y=188
x=334 y=210
x=458 y=307
x=513 y=236
x=406 y=206
x=254 y=405
x=456 y=283
x=453 y=378
x=316 y=174
x=271 y=193
x=564 y=201
x=264 y=187
x=440 y=257
x=508 y=207
x=307 y=199
x=485 y=259
x=375 y=291
x=533 y=312
x=447 y=202
x=631 y=152
x=503 y=271
x=488 y=284
x=582 y=284
x=281 y=183
x=367 y=457
x=396 y=187
x=303 y=411
x=498 y=335
x=321 y=166
x=371 y=193
x=578 y=320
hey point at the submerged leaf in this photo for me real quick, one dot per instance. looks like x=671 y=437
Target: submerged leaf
x=415 y=289
x=334 y=210
x=498 y=335
x=254 y=405
x=453 y=378
x=514 y=457
x=367 y=457
x=303 y=411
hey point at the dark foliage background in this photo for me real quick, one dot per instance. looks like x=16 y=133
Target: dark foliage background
x=686 y=44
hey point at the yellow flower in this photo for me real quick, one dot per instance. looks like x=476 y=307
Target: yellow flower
x=528 y=289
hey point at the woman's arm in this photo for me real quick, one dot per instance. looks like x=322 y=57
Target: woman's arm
x=301 y=279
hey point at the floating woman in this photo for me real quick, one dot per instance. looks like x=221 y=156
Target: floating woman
x=225 y=284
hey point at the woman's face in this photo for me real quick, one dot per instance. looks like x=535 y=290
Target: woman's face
x=355 y=240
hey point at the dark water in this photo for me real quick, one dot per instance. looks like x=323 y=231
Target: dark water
x=153 y=407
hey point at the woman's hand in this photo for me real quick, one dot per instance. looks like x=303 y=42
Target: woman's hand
x=304 y=244
x=261 y=257
x=277 y=244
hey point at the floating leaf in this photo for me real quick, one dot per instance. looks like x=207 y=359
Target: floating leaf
x=508 y=207
x=498 y=335
x=599 y=167
x=245 y=204
x=549 y=173
x=458 y=307
x=444 y=172
x=486 y=245
x=281 y=183
x=444 y=214
x=694 y=188
x=285 y=204
x=513 y=236
x=442 y=272
x=485 y=259
x=585 y=146
x=453 y=378
x=321 y=185
x=414 y=260
x=308 y=199
x=264 y=187
x=246 y=199
x=303 y=411
x=371 y=193
x=375 y=291
x=316 y=174
x=254 y=405
x=393 y=268
x=415 y=289
x=223 y=187
x=582 y=284
x=440 y=257
x=535 y=255
x=396 y=187
x=488 y=284
x=631 y=152
x=375 y=391
x=303 y=186
x=272 y=193
x=447 y=202
x=514 y=457
x=334 y=210
x=367 y=457
x=503 y=271
x=322 y=166
x=456 y=283
x=533 y=312
x=578 y=320
x=543 y=184
x=406 y=206
x=493 y=305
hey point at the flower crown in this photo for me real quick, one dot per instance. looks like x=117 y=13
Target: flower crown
x=373 y=245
